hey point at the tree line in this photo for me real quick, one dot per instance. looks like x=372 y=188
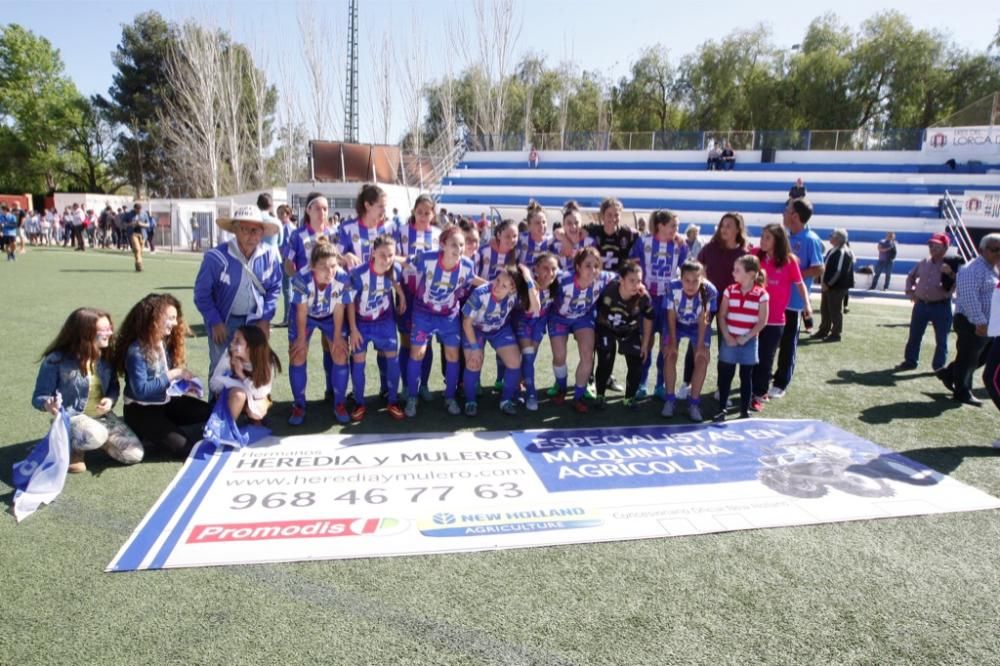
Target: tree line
x=887 y=74
x=191 y=113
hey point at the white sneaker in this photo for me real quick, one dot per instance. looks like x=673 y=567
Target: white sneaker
x=683 y=391
x=776 y=392
x=668 y=409
x=531 y=404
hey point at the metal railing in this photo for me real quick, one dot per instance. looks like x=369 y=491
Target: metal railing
x=854 y=139
x=964 y=244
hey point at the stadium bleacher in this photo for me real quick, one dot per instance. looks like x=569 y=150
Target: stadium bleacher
x=865 y=192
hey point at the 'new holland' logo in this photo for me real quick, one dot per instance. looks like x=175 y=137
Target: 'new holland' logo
x=507 y=522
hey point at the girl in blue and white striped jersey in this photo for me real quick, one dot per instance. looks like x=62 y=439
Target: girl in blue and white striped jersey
x=530 y=327
x=315 y=225
x=536 y=240
x=320 y=293
x=660 y=255
x=500 y=251
x=571 y=238
x=691 y=305
x=357 y=235
x=372 y=319
x=440 y=277
x=486 y=317
x=418 y=235
x=576 y=298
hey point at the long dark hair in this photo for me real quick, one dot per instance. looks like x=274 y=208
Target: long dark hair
x=520 y=285
x=262 y=357
x=140 y=326
x=741 y=230
x=78 y=338
x=780 y=250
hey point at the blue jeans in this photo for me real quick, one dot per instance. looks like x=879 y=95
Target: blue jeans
x=215 y=350
x=882 y=267
x=938 y=315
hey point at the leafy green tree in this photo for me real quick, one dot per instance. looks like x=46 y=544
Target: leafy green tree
x=137 y=92
x=38 y=111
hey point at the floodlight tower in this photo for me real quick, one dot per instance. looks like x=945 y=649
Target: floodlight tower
x=351 y=103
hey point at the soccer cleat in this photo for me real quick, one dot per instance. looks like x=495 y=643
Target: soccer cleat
x=396 y=413
x=615 y=385
x=453 y=407
x=684 y=391
x=425 y=394
x=600 y=403
x=668 y=409
x=776 y=392
x=551 y=392
x=531 y=403
x=508 y=407
x=358 y=413
x=411 y=407
x=589 y=393
x=906 y=365
x=580 y=407
x=498 y=385
x=298 y=416
x=340 y=413
x=744 y=415
x=471 y=408
x=756 y=404
x=630 y=403
x=720 y=417
x=642 y=393
x=694 y=413
x=559 y=398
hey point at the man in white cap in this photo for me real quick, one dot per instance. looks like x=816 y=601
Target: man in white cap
x=239 y=281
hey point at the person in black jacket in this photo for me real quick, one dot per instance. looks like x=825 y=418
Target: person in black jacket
x=838 y=277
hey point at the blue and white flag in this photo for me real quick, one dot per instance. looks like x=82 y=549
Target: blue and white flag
x=192 y=387
x=221 y=428
x=39 y=478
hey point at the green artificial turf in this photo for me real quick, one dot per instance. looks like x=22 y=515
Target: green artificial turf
x=914 y=590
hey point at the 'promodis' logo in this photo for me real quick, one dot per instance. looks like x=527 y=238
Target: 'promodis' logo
x=295 y=529
x=486 y=523
x=939 y=140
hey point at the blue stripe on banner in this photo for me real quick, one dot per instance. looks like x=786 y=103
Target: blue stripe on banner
x=206 y=485
x=151 y=531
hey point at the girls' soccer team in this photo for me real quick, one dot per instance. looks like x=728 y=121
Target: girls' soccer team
x=395 y=286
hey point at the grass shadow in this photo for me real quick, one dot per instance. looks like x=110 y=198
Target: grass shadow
x=946 y=459
x=911 y=409
x=96 y=270
x=188 y=287
x=878 y=378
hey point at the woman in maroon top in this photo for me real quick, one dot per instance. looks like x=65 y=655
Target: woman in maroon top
x=729 y=243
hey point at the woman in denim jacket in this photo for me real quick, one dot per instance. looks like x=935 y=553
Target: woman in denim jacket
x=150 y=352
x=76 y=374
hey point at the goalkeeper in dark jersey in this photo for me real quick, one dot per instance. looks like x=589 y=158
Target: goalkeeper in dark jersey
x=624 y=325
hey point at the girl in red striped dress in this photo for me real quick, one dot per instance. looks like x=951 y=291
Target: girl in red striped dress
x=742 y=315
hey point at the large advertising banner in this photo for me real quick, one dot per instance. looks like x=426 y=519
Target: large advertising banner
x=980 y=206
x=975 y=142
x=335 y=496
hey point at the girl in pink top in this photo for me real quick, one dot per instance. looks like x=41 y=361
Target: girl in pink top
x=783 y=275
x=743 y=310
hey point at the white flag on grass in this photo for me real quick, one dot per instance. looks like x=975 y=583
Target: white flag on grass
x=39 y=478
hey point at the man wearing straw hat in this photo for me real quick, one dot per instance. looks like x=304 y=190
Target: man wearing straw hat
x=239 y=281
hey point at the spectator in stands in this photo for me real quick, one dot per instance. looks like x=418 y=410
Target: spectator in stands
x=886 y=255
x=808 y=248
x=693 y=240
x=728 y=158
x=713 y=157
x=798 y=190
x=838 y=277
x=975 y=285
x=929 y=286
x=640 y=226
x=533 y=158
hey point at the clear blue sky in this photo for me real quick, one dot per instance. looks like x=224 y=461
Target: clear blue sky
x=597 y=35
